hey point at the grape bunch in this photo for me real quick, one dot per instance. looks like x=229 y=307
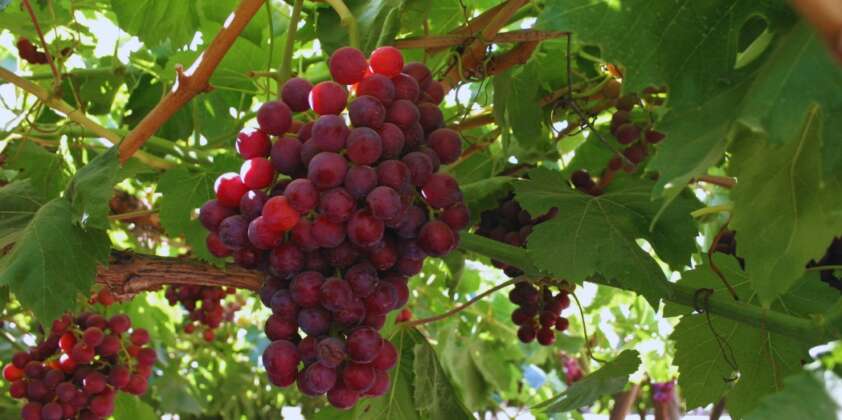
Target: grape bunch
x=662 y=392
x=76 y=371
x=204 y=305
x=631 y=126
x=572 y=370
x=539 y=311
x=340 y=216
x=511 y=224
x=29 y=52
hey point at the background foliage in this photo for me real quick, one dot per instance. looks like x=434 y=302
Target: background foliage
x=751 y=94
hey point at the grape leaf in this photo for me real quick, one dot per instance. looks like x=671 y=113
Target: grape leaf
x=418 y=389
x=607 y=380
x=458 y=363
x=45 y=169
x=435 y=396
x=518 y=113
x=373 y=19
x=598 y=235
x=703 y=277
x=130 y=407
x=183 y=192
x=18 y=203
x=91 y=189
x=810 y=394
x=486 y=194
x=50 y=14
x=53 y=261
x=766 y=98
x=761 y=359
x=176 y=22
x=783 y=213
x=694 y=48
x=798 y=74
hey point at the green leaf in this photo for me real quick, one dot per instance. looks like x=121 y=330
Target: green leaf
x=607 y=380
x=791 y=82
x=43 y=168
x=467 y=377
x=694 y=48
x=761 y=359
x=519 y=114
x=485 y=194
x=158 y=21
x=435 y=396
x=18 y=203
x=50 y=14
x=810 y=394
x=177 y=394
x=92 y=187
x=703 y=277
x=183 y=192
x=130 y=407
x=419 y=389
x=598 y=235
x=783 y=212
x=375 y=21
x=53 y=261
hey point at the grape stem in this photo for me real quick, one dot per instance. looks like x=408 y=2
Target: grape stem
x=56 y=74
x=452 y=40
x=704 y=211
x=463 y=306
x=289 y=45
x=348 y=20
x=722 y=181
x=132 y=214
x=817 y=329
x=77 y=116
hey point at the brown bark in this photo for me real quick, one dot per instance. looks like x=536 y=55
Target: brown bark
x=129 y=273
x=447 y=41
x=623 y=402
x=826 y=17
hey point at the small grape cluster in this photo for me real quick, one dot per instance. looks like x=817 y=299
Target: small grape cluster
x=77 y=370
x=204 y=304
x=631 y=129
x=511 y=224
x=572 y=370
x=538 y=313
x=29 y=52
x=353 y=215
x=662 y=392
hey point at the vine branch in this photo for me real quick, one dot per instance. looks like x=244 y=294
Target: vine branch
x=463 y=306
x=452 y=40
x=192 y=81
x=475 y=52
x=286 y=59
x=77 y=116
x=35 y=23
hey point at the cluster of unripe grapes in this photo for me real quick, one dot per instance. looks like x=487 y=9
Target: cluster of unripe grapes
x=204 y=304
x=340 y=216
x=77 y=370
x=538 y=314
x=631 y=128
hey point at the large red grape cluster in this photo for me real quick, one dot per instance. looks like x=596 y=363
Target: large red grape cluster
x=76 y=371
x=355 y=211
x=539 y=311
x=204 y=304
